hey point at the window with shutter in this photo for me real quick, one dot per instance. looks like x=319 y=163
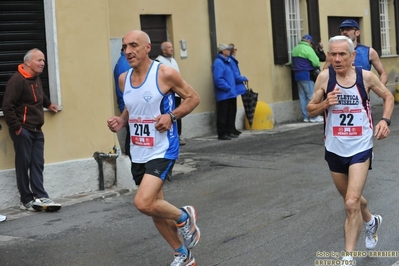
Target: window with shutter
x=279 y=29
x=293 y=23
x=286 y=18
x=396 y=12
x=287 y=29
x=375 y=26
x=385 y=28
x=314 y=19
x=22 y=27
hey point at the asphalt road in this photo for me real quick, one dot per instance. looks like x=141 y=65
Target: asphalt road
x=265 y=198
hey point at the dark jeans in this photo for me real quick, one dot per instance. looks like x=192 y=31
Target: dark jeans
x=29 y=164
x=127 y=147
x=178 y=102
x=127 y=141
x=226 y=115
x=232 y=116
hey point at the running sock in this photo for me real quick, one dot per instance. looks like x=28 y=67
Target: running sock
x=183 y=217
x=181 y=250
x=371 y=222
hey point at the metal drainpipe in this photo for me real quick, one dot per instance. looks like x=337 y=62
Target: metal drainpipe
x=99 y=156
x=212 y=28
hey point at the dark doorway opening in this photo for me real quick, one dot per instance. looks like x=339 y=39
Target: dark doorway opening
x=155 y=27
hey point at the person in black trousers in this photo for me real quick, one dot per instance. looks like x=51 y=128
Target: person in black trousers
x=225 y=93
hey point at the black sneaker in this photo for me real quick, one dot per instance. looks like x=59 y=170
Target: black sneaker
x=237 y=132
x=224 y=137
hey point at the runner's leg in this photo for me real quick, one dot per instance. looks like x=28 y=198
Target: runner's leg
x=351 y=190
x=149 y=200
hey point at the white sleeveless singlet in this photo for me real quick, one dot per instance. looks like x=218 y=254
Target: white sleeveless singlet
x=349 y=124
x=144 y=103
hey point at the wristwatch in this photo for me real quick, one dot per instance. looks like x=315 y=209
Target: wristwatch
x=172 y=115
x=386 y=120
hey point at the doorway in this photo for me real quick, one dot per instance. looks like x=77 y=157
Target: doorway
x=156 y=27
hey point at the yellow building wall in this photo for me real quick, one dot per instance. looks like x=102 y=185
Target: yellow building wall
x=189 y=21
x=85 y=80
x=249 y=27
x=6 y=147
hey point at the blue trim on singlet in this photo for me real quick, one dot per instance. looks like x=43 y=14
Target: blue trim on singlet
x=156 y=81
x=146 y=76
x=168 y=104
x=165 y=107
x=332 y=81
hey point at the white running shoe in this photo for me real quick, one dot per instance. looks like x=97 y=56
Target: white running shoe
x=28 y=206
x=317 y=119
x=189 y=229
x=46 y=204
x=347 y=260
x=184 y=260
x=371 y=233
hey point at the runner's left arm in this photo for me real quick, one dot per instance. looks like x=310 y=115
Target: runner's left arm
x=170 y=81
x=376 y=62
x=372 y=82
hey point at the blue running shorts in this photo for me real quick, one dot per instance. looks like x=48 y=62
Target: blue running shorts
x=340 y=164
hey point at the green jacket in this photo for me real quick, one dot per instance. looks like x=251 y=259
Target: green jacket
x=304 y=60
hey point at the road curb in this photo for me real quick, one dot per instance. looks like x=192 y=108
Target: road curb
x=15 y=213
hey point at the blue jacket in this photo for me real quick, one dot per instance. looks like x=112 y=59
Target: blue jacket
x=240 y=87
x=223 y=79
x=121 y=66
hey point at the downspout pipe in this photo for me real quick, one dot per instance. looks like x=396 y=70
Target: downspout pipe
x=100 y=156
x=212 y=29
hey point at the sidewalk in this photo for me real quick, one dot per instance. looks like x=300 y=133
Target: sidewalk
x=182 y=166
x=15 y=212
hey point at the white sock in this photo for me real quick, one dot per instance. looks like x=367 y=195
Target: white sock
x=371 y=222
x=347 y=258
